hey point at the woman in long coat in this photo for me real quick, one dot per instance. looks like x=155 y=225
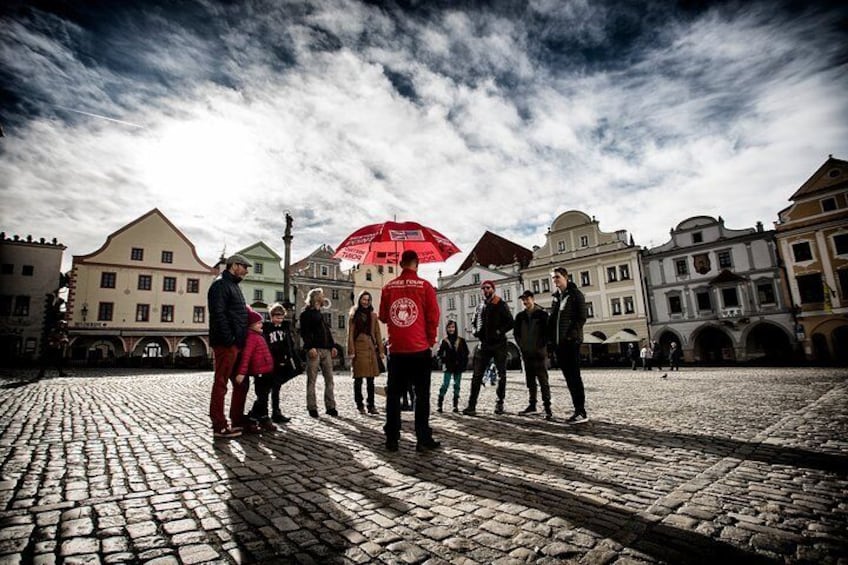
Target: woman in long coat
x=364 y=345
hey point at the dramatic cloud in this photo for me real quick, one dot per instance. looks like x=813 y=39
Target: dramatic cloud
x=224 y=116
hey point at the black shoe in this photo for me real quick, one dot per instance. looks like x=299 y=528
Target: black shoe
x=313 y=412
x=499 y=408
x=548 y=415
x=439 y=410
x=456 y=410
x=360 y=408
x=427 y=446
x=391 y=445
x=531 y=409
x=577 y=419
x=332 y=412
x=373 y=410
x=469 y=411
x=280 y=419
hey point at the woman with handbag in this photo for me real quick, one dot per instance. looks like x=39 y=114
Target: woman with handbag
x=365 y=349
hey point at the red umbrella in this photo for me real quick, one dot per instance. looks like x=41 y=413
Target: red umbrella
x=382 y=244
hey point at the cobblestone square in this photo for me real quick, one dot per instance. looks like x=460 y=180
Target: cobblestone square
x=738 y=465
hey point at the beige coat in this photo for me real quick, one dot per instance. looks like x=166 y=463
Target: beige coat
x=362 y=348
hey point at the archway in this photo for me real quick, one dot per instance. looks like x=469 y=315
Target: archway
x=840 y=345
x=767 y=343
x=665 y=341
x=152 y=348
x=820 y=350
x=191 y=347
x=713 y=346
x=97 y=349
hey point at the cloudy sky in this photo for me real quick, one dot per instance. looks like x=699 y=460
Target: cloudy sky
x=466 y=116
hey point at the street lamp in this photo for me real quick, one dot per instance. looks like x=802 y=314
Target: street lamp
x=84 y=311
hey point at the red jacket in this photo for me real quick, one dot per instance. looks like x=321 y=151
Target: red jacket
x=255 y=357
x=409 y=308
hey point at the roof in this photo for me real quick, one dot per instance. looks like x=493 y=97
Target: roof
x=495 y=250
x=324 y=252
x=832 y=174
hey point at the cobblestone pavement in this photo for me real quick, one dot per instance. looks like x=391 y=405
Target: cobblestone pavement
x=708 y=465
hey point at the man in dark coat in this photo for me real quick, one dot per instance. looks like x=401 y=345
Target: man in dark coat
x=565 y=334
x=227 y=334
x=531 y=327
x=491 y=323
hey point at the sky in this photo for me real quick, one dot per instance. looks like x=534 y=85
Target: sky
x=464 y=116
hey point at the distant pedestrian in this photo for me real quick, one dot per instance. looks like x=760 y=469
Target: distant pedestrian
x=409 y=308
x=54 y=350
x=287 y=363
x=633 y=355
x=227 y=335
x=530 y=334
x=453 y=352
x=656 y=356
x=565 y=333
x=256 y=361
x=365 y=348
x=491 y=323
x=320 y=352
x=674 y=356
x=645 y=355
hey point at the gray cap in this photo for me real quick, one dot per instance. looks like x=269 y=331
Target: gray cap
x=238 y=260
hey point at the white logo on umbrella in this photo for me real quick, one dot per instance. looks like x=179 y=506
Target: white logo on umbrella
x=403 y=312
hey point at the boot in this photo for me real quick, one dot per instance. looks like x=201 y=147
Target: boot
x=548 y=414
x=499 y=407
x=455 y=405
x=441 y=402
x=531 y=409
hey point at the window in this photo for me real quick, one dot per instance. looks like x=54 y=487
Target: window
x=104 y=311
x=145 y=282
x=29 y=345
x=7 y=269
x=199 y=315
x=391 y=269
x=107 y=280
x=142 y=312
x=828 y=204
x=681 y=267
x=584 y=241
x=341 y=321
x=546 y=285
x=616 y=306
x=675 y=306
x=451 y=303
x=561 y=246
x=193 y=286
x=611 y=274
x=167 y=256
x=5 y=304
x=507 y=295
x=704 y=302
x=258 y=268
x=475 y=278
x=628 y=305
x=325 y=271
x=810 y=288
x=584 y=278
x=840 y=243
x=472 y=300
x=765 y=293
x=280 y=296
x=27 y=270
x=368 y=275
x=167 y=313
x=257 y=294
x=535 y=285
x=590 y=310
x=802 y=252
x=624 y=272
x=697 y=237
x=842 y=274
x=724 y=260
x=730 y=297
x=169 y=284
x=335 y=293
x=137 y=254
x=21 y=306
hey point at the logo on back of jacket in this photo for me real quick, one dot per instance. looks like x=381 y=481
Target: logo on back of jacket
x=403 y=312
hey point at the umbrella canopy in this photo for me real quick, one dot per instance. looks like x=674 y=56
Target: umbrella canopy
x=383 y=244
x=589 y=338
x=621 y=336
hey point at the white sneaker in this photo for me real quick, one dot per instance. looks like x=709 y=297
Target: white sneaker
x=577 y=419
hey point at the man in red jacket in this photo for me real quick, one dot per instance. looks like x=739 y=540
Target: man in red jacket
x=409 y=308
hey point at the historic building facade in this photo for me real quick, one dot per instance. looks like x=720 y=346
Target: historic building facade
x=605 y=267
x=264 y=283
x=812 y=236
x=141 y=295
x=718 y=293
x=29 y=271
x=373 y=278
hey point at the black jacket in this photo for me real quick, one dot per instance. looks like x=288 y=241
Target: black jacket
x=227 y=312
x=281 y=343
x=494 y=321
x=531 y=330
x=314 y=330
x=568 y=314
x=455 y=357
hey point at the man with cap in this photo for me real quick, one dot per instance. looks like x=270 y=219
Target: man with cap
x=491 y=322
x=227 y=335
x=531 y=326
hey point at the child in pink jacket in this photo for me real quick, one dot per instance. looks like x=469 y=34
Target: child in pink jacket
x=255 y=361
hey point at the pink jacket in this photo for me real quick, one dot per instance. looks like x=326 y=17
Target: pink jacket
x=255 y=357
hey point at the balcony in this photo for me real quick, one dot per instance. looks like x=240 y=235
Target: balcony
x=734 y=312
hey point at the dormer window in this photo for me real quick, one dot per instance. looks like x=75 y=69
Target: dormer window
x=584 y=241
x=828 y=204
x=561 y=246
x=697 y=237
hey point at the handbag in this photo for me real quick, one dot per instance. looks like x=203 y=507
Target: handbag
x=381 y=367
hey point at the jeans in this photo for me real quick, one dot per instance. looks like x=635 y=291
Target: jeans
x=446 y=379
x=357 y=391
x=568 y=356
x=482 y=357
x=535 y=371
x=407 y=369
x=325 y=362
x=225 y=364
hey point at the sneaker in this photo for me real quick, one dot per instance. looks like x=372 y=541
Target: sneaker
x=499 y=408
x=549 y=416
x=280 y=419
x=252 y=428
x=268 y=426
x=531 y=409
x=332 y=412
x=313 y=412
x=577 y=419
x=427 y=446
x=391 y=445
x=373 y=410
x=470 y=411
x=361 y=409
x=226 y=433
x=455 y=410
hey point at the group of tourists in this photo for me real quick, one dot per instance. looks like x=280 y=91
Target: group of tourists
x=651 y=356
x=245 y=345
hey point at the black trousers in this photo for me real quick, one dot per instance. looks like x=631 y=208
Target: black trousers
x=369 y=389
x=568 y=357
x=407 y=369
x=483 y=356
x=262 y=385
x=536 y=372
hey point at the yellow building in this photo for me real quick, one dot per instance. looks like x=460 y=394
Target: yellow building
x=141 y=295
x=812 y=235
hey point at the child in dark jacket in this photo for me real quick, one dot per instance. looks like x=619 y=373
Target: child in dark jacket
x=454 y=354
x=287 y=365
x=256 y=361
